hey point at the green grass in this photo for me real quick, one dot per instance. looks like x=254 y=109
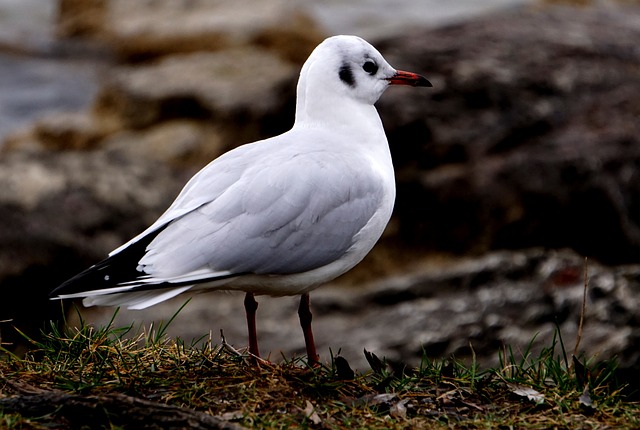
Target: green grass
x=550 y=389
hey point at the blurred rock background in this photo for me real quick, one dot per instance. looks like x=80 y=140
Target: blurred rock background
x=521 y=161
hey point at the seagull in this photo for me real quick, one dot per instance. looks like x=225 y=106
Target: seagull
x=279 y=216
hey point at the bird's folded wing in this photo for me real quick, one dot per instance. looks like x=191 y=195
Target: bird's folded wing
x=265 y=223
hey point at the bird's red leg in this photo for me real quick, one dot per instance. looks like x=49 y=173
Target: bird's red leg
x=251 y=306
x=305 y=322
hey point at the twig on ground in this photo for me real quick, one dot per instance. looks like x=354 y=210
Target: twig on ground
x=81 y=410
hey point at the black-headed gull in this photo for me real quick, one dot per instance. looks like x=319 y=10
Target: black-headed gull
x=280 y=216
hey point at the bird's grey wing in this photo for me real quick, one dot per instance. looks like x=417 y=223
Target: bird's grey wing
x=205 y=186
x=288 y=215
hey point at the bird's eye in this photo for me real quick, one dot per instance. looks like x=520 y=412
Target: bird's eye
x=370 y=67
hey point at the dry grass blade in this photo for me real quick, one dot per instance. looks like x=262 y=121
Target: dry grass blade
x=583 y=310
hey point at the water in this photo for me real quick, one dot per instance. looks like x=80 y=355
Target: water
x=31 y=87
x=373 y=19
x=37 y=77
x=26 y=22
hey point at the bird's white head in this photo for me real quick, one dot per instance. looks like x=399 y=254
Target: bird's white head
x=346 y=70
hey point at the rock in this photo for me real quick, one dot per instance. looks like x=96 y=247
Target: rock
x=245 y=93
x=62 y=212
x=187 y=109
x=142 y=30
x=529 y=137
x=81 y=18
x=55 y=132
x=501 y=298
x=185 y=144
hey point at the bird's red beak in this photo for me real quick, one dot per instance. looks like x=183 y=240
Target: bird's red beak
x=407 y=78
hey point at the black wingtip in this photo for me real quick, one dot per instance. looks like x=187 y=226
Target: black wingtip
x=96 y=277
x=110 y=272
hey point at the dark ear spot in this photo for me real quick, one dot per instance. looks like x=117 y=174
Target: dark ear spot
x=346 y=75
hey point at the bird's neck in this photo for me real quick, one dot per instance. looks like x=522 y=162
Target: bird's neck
x=348 y=115
x=359 y=127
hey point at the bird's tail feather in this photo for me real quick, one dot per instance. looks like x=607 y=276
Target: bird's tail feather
x=134 y=300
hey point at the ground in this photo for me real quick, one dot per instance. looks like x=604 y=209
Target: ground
x=107 y=378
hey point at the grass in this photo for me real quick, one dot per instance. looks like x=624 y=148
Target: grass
x=547 y=390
